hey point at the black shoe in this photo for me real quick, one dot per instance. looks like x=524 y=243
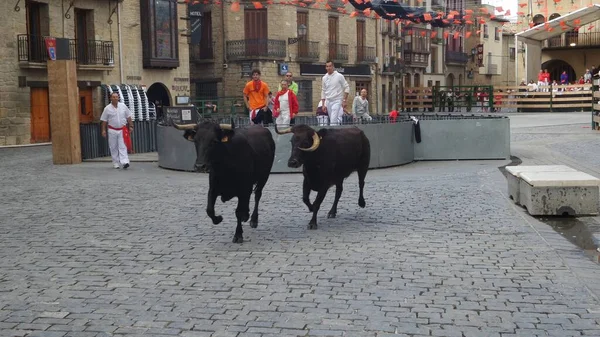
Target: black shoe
x=126 y=166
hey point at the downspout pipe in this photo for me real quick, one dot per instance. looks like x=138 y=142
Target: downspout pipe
x=120 y=41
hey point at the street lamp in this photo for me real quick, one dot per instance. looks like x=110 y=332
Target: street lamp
x=302 y=30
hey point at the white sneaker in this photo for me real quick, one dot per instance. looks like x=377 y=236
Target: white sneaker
x=115 y=165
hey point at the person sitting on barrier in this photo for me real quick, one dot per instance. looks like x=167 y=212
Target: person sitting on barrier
x=393 y=116
x=322 y=116
x=360 y=107
x=285 y=106
x=256 y=93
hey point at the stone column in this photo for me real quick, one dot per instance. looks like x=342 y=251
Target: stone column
x=533 y=60
x=64 y=117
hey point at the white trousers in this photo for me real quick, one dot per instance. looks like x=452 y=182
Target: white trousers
x=118 y=149
x=335 y=112
x=284 y=119
x=323 y=120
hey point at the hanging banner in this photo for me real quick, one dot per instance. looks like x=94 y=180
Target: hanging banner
x=51 y=48
x=195 y=14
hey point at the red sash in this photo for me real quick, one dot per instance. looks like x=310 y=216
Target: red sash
x=126 y=137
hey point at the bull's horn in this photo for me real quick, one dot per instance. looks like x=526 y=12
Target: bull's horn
x=184 y=126
x=282 y=132
x=225 y=126
x=316 y=143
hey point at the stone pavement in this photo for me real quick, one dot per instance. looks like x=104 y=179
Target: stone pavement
x=439 y=250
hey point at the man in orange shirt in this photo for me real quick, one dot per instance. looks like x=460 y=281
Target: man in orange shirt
x=256 y=98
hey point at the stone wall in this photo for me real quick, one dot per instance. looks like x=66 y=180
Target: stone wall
x=15 y=113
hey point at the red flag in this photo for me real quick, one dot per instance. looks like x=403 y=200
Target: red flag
x=235 y=6
x=257 y=5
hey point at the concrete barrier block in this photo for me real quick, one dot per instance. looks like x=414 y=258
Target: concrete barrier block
x=514 y=176
x=559 y=193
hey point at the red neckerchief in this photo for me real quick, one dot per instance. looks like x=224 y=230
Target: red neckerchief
x=257 y=85
x=282 y=92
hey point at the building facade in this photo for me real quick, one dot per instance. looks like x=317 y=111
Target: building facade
x=488 y=61
x=574 y=50
x=115 y=43
x=276 y=38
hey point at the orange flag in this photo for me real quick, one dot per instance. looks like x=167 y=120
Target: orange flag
x=235 y=6
x=446 y=35
x=468 y=34
x=456 y=35
x=433 y=34
x=257 y=5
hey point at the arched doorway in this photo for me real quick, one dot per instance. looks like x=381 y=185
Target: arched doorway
x=538 y=19
x=158 y=94
x=450 y=80
x=556 y=67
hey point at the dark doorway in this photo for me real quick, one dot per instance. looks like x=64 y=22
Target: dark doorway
x=556 y=67
x=159 y=95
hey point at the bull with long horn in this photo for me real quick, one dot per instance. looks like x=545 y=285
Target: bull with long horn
x=238 y=160
x=328 y=156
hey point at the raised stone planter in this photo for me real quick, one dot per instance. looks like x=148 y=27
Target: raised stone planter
x=514 y=176
x=559 y=193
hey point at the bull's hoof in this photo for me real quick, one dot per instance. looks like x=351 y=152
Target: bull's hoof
x=217 y=219
x=253 y=223
x=312 y=225
x=238 y=240
x=331 y=215
x=361 y=203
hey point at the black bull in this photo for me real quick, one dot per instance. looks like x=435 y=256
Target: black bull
x=237 y=160
x=329 y=156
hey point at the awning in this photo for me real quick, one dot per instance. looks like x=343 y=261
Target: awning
x=540 y=32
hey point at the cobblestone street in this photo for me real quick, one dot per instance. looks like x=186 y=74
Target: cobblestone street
x=439 y=250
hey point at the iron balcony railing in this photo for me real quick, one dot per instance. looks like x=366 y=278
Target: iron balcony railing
x=393 y=68
x=338 y=52
x=573 y=39
x=92 y=52
x=201 y=53
x=456 y=57
x=32 y=48
x=365 y=54
x=256 y=48
x=308 y=50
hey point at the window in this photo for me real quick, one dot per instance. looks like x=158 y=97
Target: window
x=511 y=53
x=496 y=33
x=485 y=32
x=159 y=33
x=206 y=41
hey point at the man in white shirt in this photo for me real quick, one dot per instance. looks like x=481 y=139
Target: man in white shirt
x=117 y=116
x=334 y=94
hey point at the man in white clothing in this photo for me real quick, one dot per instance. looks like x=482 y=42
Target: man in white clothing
x=334 y=94
x=117 y=116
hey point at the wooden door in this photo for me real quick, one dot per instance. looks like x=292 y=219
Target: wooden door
x=256 y=32
x=361 y=34
x=86 y=113
x=40 y=115
x=302 y=19
x=333 y=37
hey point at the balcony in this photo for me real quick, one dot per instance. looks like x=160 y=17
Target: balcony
x=571 y=40
x=308 y=51
x=90 y=55
x=395 y=66
x=416 y=60
x=365 y=54
x=338 y=52
x=456 y=57
x=201 y=54
x=257 y=49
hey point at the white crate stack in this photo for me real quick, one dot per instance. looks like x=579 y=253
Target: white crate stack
x=134 y=96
